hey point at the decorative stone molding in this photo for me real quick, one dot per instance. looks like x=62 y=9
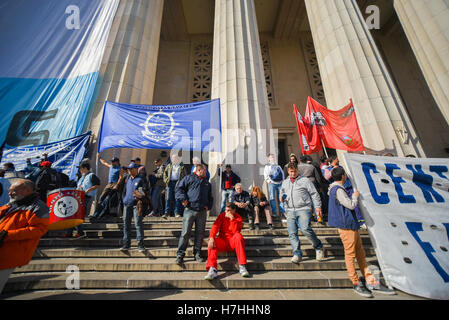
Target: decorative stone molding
x=267 y=70
x=201 y=79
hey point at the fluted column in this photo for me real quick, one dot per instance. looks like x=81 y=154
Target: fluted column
x=238 y=80
x=128 y=69
x=425 y=23
x=351 y=67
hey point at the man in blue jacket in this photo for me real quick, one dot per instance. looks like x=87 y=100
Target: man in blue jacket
x=195 y=194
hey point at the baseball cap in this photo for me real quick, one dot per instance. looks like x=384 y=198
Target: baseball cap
x=46 y=164
x=136 y=159
x=133 y=165
x=115 y=159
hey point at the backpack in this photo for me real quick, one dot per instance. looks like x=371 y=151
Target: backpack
x=277 y=176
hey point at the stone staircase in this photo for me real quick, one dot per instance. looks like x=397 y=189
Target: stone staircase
x=103 y=266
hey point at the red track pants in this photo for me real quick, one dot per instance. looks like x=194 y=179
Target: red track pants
x=235 y=243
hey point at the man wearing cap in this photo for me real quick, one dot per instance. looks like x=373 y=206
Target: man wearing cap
x=110 y=189
x=134 y=183
x=228 y=180
x=173 y=173
x=141 y=169
x=47 y=180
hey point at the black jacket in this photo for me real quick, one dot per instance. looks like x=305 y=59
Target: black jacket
x=255 y=201
x=196 y=190
x=234 y=179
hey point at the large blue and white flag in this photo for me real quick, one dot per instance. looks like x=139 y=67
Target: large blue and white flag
x=50 y=56
x=193 y=126
x=64 y=155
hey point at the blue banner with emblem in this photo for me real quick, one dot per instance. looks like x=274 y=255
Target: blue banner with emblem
x=192 y=126
x=65 y=155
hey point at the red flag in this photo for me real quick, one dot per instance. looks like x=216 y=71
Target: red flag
x=338 y=129
x=308 y=144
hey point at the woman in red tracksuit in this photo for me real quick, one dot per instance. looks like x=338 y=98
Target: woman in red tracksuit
x=227 y=226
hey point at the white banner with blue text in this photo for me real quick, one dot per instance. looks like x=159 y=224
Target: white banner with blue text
x=405 y=202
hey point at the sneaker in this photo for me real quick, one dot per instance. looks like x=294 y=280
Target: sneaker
x=270 y=226
x=179 y=261
x=124 y=249
x=363 y=227
x=251 y=226
x=360 y=289
x=380 y=288
x=177 y=215
x=320 y=254
x=243 y=272
x=198 y=258
x=80 y=236
x=141 y=248
x=212 y=274
x=296 y=259
x=257 y=227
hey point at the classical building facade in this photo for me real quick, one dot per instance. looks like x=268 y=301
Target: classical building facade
x=262 y=56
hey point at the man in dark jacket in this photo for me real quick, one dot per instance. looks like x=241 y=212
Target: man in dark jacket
x=242 y=200
x=228 y=180
x=195 y=194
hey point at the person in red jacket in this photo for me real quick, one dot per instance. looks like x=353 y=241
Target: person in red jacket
x=23 y=222
x=228 y=226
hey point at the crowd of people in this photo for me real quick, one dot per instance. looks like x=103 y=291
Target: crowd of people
x=297 y=194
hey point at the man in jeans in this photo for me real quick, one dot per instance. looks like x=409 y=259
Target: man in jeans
x=274 y=175
x=298 y=194
x=228 y=180
x=195 y=194
x=173 y=173
x=134 y=183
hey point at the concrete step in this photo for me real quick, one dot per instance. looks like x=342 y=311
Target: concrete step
x=145 y=264
x=180 y=280
x=117 y=232
x=173 y=241
x=157 y=252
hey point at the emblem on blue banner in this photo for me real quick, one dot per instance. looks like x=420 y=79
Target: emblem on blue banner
x=159 y=127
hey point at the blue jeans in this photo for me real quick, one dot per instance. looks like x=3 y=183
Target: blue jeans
x=156 y=199
x=199 y=218
x=170 y=198
x=301 y=219
x=226 y=197
x=128 y=214
x=274 y=192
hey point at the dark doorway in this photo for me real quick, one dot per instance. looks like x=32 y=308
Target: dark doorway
x=282 y=152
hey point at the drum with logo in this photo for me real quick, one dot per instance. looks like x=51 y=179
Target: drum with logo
x=67 y=209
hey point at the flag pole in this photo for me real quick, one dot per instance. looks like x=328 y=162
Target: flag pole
x=324 y=147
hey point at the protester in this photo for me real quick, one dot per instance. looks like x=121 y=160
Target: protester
x=111 y=189
x=259 y=203
x=141 y=171
x=174 y=172
x=89 y=183
x=134 y=188
x=335 y=163
x=4 y=188
x=157 y=176
x=242 y=200
x=228 y=181
x=228 y=226
x=292 y=159
x=195 y=193
x=10 y=172
x=274 y=175
x=22 y=223
x=298 y=194
x=343 y=217
x=48 y=179
x=196 y=161
x=308 y=170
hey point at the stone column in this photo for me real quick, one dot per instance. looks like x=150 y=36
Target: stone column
x=352 y=67
x=128 y=69
x=238 y=80
x=426 y=24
